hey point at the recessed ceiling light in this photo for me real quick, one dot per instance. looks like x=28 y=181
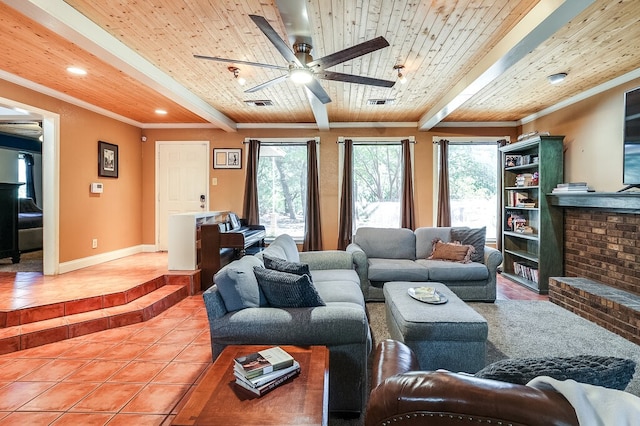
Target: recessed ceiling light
x=161 y=112
x=76 y=71
x=557 y=78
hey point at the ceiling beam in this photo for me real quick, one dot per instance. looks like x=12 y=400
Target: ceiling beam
x=66 y=21
x=547 y=17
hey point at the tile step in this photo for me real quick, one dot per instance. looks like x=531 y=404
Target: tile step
x=32 y=314
x=143 y=308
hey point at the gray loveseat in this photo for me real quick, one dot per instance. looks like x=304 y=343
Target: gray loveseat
x=238 y=314
x=400 y=254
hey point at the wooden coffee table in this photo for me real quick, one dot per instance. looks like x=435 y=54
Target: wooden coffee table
x=303 y=400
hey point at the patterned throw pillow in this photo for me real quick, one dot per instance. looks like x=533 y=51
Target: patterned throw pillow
x=609 y=372
x=452 y=252
x=285 y=290
x=471 y=236
x=275 y=263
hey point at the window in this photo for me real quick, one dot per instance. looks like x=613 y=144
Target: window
x=22 y=176
x=282 y=188
x=377 y=184
x=473 y=183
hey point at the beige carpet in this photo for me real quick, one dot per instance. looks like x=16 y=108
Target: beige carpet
x=29 y=262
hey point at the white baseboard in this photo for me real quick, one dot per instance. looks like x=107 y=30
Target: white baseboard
x=100 y=258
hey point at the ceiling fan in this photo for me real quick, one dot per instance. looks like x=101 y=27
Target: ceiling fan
x=303 y=69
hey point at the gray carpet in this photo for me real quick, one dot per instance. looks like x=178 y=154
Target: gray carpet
x=29 y=262
x=521 y=329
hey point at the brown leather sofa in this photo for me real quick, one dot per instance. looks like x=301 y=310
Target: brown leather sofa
x=403 y=395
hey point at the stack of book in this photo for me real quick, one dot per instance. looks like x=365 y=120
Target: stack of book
x=572 y=187
x=262 y=371
x=525 y=179
x=527 y=271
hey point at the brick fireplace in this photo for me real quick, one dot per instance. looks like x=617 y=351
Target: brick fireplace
x=601 y=265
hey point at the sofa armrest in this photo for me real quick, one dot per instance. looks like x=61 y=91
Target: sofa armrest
x=390 y=358
x=492 y=258
x=362 y=266
x=213 y=303
x=469 y=398
x=327 y=259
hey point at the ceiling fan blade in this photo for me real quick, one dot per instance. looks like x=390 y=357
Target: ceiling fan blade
x=275 y=39
x=349 y=53
x=267 y=84
x=350 y=78
x=235 y=61
x=319 y=92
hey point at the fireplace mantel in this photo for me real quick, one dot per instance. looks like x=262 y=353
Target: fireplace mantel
x=622 y=202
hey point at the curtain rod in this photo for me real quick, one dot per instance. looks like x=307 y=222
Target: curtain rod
x=365 y=139
x=283 y=140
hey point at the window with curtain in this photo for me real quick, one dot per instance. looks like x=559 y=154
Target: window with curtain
x=22 y=176
x=377 y=184
x=473 y=185
x=282 y=188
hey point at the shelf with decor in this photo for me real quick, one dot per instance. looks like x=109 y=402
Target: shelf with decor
x=532 y=227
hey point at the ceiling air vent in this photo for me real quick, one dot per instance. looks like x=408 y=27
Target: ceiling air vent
x=260 y=103
x=381 y=101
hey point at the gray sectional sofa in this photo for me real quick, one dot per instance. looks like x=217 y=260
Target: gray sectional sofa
x=239 y=314
x=399 y=254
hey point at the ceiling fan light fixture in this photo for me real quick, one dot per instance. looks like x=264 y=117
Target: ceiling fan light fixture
x=557 y=78
x=401 y=77
x=236 y=74
x=301 y=75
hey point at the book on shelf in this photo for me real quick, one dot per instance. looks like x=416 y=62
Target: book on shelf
x=263 y=379
x=527 y=271
x=572 y=187
x=263 y=362
x=263 y=389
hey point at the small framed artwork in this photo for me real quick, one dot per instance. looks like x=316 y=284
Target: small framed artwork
x=107 y=159
x=227 y=158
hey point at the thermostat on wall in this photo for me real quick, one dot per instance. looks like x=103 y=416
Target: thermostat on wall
x=96 y=188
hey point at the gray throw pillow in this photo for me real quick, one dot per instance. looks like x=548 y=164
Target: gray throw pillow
x=609 y=372
x=238 y=285
x=471 y=236
x=285 y=290
x=282 y=265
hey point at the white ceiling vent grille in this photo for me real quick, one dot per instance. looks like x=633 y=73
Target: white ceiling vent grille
x=260 y=103
x=381 y=101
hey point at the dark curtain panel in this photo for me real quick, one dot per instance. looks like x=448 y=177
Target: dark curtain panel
x=31 y=189
x=500 y=196
x=250 y=210
x=313 y=229
x=444 y=206
x=345 y=228
x=408 y=212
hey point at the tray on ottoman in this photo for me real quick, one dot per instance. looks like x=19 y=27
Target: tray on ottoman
x=450 y=336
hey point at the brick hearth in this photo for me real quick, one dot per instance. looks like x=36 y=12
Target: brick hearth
x=602 y=249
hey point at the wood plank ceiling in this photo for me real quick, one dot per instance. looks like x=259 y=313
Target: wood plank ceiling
x=446 y=46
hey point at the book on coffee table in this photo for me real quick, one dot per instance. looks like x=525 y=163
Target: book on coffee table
x=263 y=362
x=265 y=387
x=263 y=379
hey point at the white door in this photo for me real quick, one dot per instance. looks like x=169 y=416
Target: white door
x=182 y=182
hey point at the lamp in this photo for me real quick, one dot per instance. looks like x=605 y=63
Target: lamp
x=301 y=75
x=236 y=75
x=401 y=78
x=557 y=78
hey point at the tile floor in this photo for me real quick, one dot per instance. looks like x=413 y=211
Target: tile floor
x=139 y=374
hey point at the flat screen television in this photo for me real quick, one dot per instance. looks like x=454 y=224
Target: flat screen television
x=631 y=147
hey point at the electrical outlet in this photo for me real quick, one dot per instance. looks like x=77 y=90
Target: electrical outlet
x=94 y=243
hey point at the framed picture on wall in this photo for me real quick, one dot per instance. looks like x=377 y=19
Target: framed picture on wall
x=107 y=159
x=227 y=158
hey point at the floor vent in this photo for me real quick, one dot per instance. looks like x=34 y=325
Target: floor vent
x=260 y=103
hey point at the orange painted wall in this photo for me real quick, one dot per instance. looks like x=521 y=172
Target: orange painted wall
x=593 y=130
x=228 y=194
x=114 y=217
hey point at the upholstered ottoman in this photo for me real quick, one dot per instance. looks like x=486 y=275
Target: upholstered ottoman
x=451 y=336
